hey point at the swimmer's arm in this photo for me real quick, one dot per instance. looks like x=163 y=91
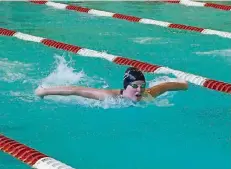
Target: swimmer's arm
x=91 y=93
x=167 y=86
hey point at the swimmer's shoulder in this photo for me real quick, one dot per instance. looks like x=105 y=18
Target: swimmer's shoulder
x=114 y=92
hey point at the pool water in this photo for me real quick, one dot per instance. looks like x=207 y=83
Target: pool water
x=185 y=129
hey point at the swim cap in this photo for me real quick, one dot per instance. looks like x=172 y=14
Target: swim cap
x=132 y=74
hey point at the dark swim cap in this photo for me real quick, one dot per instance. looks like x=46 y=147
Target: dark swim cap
x=132 y=74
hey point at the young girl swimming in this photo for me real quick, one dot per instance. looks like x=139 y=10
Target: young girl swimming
x=134 y=88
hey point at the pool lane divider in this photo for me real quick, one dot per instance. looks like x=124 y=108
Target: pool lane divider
x=143 y=66
x=29 y=156
x=132 y=18
x=199 y=4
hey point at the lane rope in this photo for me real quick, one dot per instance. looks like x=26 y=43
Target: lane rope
x=29 y=156
x=133 y=18
x=143 y=66
x=200 y=4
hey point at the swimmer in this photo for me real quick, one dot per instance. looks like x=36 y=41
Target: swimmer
x=134 y=88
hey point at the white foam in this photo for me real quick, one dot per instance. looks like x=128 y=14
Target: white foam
x=63 y=74
x=110 y=34
x=163 y=102
x=105 y=104
x=145 y=40
x=151 y=40
x=11 y=71
x=24 y=96
x=223 y=52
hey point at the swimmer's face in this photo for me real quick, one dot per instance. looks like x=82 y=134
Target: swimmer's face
x=135 y=90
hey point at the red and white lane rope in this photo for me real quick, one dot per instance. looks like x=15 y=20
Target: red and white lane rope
x=133 y=18
x=29 y=156
x=146 y=67
x=200 y=4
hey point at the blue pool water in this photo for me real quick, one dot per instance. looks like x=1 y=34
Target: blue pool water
x=183 y=130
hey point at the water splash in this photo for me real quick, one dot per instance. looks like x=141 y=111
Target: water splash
x=24 y=96
x=108 y=103
x=149 y=40
x=223 y=52
x=65 y=74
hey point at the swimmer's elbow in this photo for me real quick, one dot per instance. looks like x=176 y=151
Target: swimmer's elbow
x=178 y=86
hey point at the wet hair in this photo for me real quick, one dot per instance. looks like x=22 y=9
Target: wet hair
x=132 y=74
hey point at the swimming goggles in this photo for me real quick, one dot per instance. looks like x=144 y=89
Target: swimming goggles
x=135 y=86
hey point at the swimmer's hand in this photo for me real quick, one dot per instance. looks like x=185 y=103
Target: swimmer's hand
x=40 y=92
